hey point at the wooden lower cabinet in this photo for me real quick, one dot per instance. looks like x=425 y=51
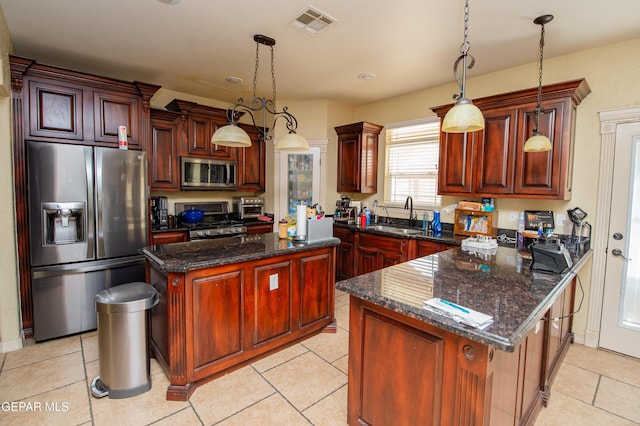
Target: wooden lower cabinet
x=361 y=252
x=214 y=320
x=345 y=257
x=404 y=371
x=169 y=237
x=260 y=228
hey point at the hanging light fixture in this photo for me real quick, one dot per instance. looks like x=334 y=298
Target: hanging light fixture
x=539 y=142
x=464 y=116
x=233 y=135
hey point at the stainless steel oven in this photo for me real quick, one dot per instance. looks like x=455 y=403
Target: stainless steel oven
x=216 y=222
x=248 y=207
x=203 y=173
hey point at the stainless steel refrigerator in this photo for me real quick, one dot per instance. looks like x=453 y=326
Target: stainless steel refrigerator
x=87 y=221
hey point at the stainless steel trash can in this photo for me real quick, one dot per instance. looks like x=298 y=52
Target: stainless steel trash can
x=123 y=348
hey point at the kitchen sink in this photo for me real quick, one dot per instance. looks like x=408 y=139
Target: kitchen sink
x=395 y=230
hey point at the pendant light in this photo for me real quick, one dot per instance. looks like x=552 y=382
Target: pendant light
x=232 y=135
x=539 y=142
x=464 y=116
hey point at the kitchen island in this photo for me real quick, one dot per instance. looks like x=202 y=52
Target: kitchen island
x=408 y=365
x=227 y=302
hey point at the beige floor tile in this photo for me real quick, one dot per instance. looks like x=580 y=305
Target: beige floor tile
x=305 y=380
x=342 y=364
x=90 y=347
x=330 y=411
x=230 y=394
x=271 y=411
x=567 y=411
x=342 y=316
x=278 y=358
x=67 y=405
x=33 y=353
x=610 y=364
x=341 y=299
x=576 y=382
x=330 y=346
x=36 y=378
x=138 y=410
x=186 y=417
x=619 y=398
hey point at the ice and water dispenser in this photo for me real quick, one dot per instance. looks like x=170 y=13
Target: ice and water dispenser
x=63 y=223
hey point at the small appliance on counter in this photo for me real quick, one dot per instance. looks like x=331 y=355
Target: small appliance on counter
x=248 y=207
x=550 y=255
x=159 y=212
x=578 y=240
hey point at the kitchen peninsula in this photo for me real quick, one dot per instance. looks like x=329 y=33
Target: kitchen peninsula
x=227 y=302
x=408 y=365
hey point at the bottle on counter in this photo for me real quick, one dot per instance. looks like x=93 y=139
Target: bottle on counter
x=291 y=224
x=436 y=225
x=367 y=214
x=283 y=227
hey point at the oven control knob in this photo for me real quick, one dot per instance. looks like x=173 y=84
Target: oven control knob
x=207 y=232
x=220 y=231
x=200 y=234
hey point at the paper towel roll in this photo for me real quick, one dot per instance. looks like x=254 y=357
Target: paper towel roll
x=301 y=220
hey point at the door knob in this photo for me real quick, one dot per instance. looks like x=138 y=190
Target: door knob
x=618 y=253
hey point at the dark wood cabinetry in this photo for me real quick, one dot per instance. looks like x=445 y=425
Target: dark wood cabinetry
x=358 y=157
x=362 y=252
x=492 y=162
x=59 y=105
x=213 y=320
x=164 y=158
x=260 y=228
x=377 y=252
x=345 y=257
x=169 y=237
x=200 y=123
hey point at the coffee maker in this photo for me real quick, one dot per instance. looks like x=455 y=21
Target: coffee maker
x=159 y=212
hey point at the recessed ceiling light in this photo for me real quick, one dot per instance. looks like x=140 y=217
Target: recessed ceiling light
x=170 y=2
x=233 y=80
x=366 y=76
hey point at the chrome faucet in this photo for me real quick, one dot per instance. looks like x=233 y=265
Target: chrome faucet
x=388 y=222
x=408 y=204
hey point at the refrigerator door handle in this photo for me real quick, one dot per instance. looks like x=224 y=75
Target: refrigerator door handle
x=78 y=268
x=89 y=219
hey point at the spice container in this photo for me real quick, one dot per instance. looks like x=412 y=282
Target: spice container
x=282 y=228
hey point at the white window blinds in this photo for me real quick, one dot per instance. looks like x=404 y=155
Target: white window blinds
x=411 y=164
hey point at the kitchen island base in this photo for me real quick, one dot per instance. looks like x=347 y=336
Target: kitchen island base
x=405 y=371
x=215 y=319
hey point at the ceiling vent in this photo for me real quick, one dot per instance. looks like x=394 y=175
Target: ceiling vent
x=312 y=21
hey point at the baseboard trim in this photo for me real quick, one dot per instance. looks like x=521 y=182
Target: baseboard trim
x=10 y=346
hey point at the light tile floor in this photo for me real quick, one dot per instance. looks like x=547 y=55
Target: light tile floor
x=48 y=383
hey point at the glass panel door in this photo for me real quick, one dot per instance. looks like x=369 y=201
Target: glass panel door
x=302 y=178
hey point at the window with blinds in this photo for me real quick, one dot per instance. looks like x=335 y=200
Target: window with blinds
x=411 y=164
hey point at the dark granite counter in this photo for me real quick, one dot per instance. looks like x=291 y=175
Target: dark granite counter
x=183 y=257
x=501 y=285
x=398 y=231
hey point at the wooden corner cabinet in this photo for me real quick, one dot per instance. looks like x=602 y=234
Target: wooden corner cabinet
x=492 y=162
x=358 y=157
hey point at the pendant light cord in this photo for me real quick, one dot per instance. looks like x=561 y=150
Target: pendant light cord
x=539 y=106
x=273 y=75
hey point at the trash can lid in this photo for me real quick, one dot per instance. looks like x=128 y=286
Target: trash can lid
x=131 y=297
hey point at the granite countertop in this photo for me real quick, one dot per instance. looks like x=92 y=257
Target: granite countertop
x=398 y=231
x=200 y=254
x=502 y=285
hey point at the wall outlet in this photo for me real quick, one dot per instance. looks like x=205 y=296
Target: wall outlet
x=560 y=219
x=513 y=217
x=273 y=282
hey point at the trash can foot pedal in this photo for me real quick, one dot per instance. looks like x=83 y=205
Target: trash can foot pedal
x=98 y=390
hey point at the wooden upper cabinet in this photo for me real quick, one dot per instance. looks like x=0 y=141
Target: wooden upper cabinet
x=251 y=168
x=358 y=157
x=202 y=122
x=112 y=111
x=492 y=162
x=55 y=111
x=164 y=159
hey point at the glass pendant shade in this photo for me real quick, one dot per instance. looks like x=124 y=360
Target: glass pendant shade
x=292 y=142
x=231 y=135
x=537 y=143
x=463 y=117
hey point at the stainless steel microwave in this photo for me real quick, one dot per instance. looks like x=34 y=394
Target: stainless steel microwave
x=203 y=174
